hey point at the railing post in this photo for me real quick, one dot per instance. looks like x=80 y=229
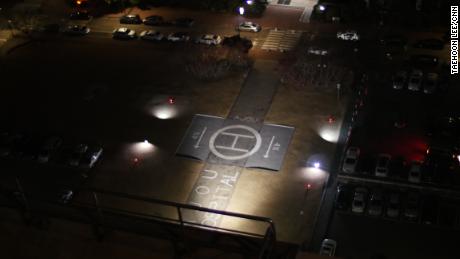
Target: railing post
x=182 y=247
x=26 y=213
x=99 y=227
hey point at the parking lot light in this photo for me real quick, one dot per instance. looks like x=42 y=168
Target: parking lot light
x=249 y=2
x=241 y=10
x=322 y=8
x=316 y=164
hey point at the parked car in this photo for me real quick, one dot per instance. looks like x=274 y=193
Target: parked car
x=91 y=156
x=425 y=61
x=411 y=209
x=249 y=26
x=375 y=207
x=415 y=80
x=77 y=153
x=184 y=22
x=8 y=141
x=343 y=197
x=393 y=40
x=448 y=215
x=64 y=196
x=179 y=37
x=351 y=160
x=393 y=205
x=430 y=83
x=430 y=207
x=124 y=33
x=79 y=15
x=317 y=51
x=348 y=35
x=49 y=146
x=76 y=30
x=236 y=41
x=399 y=80
x=415 y=172
x=50 y=28
x=382 y=166
x=30 y=149
x=209 y=39
x=152 y=35
x=154 y=20
x=131 y=19
x=433 y=44
x=328 y=247
x=359 y=200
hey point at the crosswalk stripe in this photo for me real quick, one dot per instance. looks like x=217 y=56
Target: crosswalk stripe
x=281 y=40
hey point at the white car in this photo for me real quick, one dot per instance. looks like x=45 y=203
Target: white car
x=91 y=156
x=152 y=35
x=76 y=30
x=399 y=80
x=415 y=80
x=348 y=35
x=328 y=247
x=178 y=37
x=430 y=82
x=124 y=33
x=209 y=39
x=383 y=165
x=249 y=26
x=415 y=172
x=351 y=160
x=317 y=51
x=359 y=200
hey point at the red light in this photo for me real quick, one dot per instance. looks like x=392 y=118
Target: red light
x=307 y=186
x=136 y=160
x=171 y=100
x=330 y=119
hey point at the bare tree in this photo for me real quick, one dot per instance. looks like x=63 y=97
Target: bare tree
x=212 y=63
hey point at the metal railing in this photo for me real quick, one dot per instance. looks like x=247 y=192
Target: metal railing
x=92 y=202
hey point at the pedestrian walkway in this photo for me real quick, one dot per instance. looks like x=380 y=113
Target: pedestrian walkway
x=281 y=40
x=220 y=174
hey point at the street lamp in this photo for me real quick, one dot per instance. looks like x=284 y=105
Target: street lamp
x=321 y=8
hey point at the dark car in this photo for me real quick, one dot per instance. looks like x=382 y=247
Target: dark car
x=343 y=197
x=411 y=208
x=155 y=20
x=447 y=215
x=76 y=30
x=433 y=44
x=430 y=209
x=425 y=61
x=8 y=141
x=80 y=15
x=131 y=19
x=239 y=42
x=393 y=205
x=393 y=40
x=50 y=28
x=184 y=22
